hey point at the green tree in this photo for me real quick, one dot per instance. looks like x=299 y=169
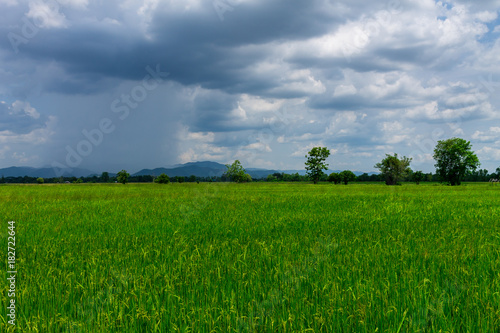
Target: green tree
x=181 y=179
x=271 y=178
x=418 y=176
x=315 y=163
x=346 y=176
x=279 y=176
x=162 y=179
x=394 y=169
x=334 y=178
x=454 y=159
x=40 y=180
x=105 y=177
x=237 y=173
x=122 y=176
x=364 y=177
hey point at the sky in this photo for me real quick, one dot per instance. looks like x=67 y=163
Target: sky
x=111 y=85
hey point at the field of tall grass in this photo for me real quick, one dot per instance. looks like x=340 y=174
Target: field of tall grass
x=253 y=257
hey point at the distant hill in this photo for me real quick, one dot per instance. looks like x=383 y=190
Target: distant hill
x=43 y=172
x=211 y=169
x=199 y=169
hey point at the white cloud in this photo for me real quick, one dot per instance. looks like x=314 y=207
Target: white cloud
x=466 y=99
x=239 y=114
x=200 y=136
x=302 y=151
x=345 y=90
x=74 y=3
x=203 y=152
x=24 y=158
x=298 y=81
x=46 y=15
x=259 y=146
x=19 y=107
x=492 y=135
x=394 y=132
x=486 y=16
x=343 y=124
x=36 y=137
x=489 y=154
x=259 y=104
x=428 y=111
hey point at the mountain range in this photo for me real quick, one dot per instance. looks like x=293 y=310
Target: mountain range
x=199 y=169
x=45 y=172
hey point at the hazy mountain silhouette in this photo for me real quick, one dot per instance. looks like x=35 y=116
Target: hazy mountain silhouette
x=199 y=169
x=43 y=172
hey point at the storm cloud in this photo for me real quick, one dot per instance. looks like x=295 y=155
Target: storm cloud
x=260 y=81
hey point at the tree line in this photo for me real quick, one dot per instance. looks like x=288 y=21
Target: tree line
x=104 y=179
x=477 y=176
x=455 y=162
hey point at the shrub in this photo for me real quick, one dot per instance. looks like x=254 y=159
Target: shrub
x=162 y=179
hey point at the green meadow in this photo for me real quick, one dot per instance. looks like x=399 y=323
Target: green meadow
x=255 y=257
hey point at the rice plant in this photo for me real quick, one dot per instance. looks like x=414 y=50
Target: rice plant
x=254 y=258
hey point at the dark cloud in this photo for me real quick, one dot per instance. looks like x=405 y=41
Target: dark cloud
x=350 y=74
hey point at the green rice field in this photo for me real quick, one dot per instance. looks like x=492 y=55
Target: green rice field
x=256 y=257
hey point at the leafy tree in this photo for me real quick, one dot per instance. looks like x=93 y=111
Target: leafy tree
x=40 y=180
x=429 y=177
x=271 y=178
x=105 y=177
x=454 y=159
x=477 y=176
x=122 y=177
x=334 y=178
x=346 y=176
x=162 y=179
x=364 y=177
x=236 y=172
x=181 y=179
x=394 y=169
x=418 y=176
x=496 y=174
x=78 y=181
x=192 y=179
x=315 y=163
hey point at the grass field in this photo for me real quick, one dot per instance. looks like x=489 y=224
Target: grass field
x=254 y=257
